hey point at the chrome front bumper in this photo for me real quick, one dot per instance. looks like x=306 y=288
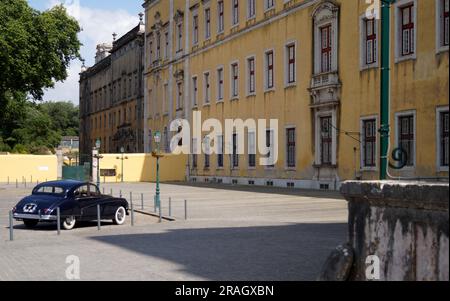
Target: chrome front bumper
x=35 y=217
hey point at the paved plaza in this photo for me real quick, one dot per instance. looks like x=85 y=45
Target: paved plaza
x=232 y=233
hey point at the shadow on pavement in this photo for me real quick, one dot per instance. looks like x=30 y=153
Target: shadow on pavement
x=264 y=189
x=270 y=253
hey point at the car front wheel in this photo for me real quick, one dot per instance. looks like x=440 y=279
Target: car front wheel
x=120 y=216
x=69 y=223
x=30 y=223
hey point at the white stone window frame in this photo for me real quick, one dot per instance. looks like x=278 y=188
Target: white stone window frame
x=179 y=98
x=247 y=75
x=363 y=44
x=439 y=28
x=218 y=86
x=268 y=8
x=326 y=14
x=251 y=16
x=207 y=6
x=363 y=167
x=194 y=94
x=232 y=96
x=318 y=149
x=288 y=44
x=272 y=146
x=286 y=128
x=266 y=69
x=206 y=90
x=397 y=135
x=398 y=32
x=439 y=167
x=232 y=15
x=194 y=36
x=219 y=29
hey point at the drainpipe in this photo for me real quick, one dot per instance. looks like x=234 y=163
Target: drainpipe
x=385 y=85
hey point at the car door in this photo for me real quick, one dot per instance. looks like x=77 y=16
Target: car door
x=87 y=198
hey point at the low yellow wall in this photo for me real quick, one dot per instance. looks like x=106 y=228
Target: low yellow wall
x=142 y=168
x=32 y=168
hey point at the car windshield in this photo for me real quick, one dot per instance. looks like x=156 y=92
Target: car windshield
x=57 y=190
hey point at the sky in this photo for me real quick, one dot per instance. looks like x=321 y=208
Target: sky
x=99 y=19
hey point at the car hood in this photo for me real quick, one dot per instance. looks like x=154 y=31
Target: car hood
x=41 y=202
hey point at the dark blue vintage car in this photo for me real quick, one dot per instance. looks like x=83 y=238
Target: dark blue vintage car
x=77 y=202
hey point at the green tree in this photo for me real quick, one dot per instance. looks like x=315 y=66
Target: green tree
x=64 y=117
x=35 y=49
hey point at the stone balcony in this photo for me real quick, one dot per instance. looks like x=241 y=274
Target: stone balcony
x=325 y=89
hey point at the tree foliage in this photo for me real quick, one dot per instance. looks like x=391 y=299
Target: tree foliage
x=35 y=51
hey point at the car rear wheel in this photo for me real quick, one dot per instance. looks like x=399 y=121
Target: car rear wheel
x=30 y=223
x=120 y=216
x=69 y=223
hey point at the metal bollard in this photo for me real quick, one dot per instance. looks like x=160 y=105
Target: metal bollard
x=31 y=179
x=25 y=183
x=99 y=224
x=120 y=193
x=170 y=206
x=142 y=201
x=154 y=203
x=160 y=213
x=111 y=192
x=11 y=226
x=185 y=210
x=132 y=214
x=17 y=183
x=58 y=220
x=8 y=180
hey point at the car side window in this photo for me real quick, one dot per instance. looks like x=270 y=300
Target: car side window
x=94 y=190
x=81 y=191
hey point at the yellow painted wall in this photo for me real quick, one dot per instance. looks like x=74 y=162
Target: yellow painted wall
x=419 y=84
x=142 y=168
x=33 y=168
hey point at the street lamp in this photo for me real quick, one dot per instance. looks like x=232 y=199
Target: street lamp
x=157 y=154
x=122 y=158
x=97 y=156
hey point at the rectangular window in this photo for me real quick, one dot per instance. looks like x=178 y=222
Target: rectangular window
x=251 y=75
x=291 y=148
x=194 y=91
x=166 y=49
x=444 y=139
x=234 y=80
x=220 y=151
x=207 y=23
x=179 y=37
x=251 y=149
x=269 y=70
x=326 y=140
x=406 y=138
x=291 y=62
x=407 y=30
x=195 y=30
x=235 y=12
x=207 y=162
x=158 y=46
x=269 y=4
x=251 y=9
x=369 y=142
x=220 y=84
x=166 y=97
x=179 y=95
x=220 y=17
x=444 y=22
x=194 y=153
x=371 y=41
x=325 y=34
x=150 y=45
x=235 y=152
x=270 y=145
x=207 y=88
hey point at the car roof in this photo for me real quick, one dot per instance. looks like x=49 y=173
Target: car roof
x=66 y=184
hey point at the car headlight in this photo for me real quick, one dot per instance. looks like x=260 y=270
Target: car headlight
x=47 y=211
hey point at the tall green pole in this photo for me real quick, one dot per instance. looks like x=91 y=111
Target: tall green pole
x=385 y=85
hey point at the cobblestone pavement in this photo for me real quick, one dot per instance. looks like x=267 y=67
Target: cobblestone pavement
x=232 y=233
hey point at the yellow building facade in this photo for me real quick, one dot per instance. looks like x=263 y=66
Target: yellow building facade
x=312 y=65
x=111 y=96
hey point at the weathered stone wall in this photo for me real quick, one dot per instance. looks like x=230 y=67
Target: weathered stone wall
x=405 y=224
